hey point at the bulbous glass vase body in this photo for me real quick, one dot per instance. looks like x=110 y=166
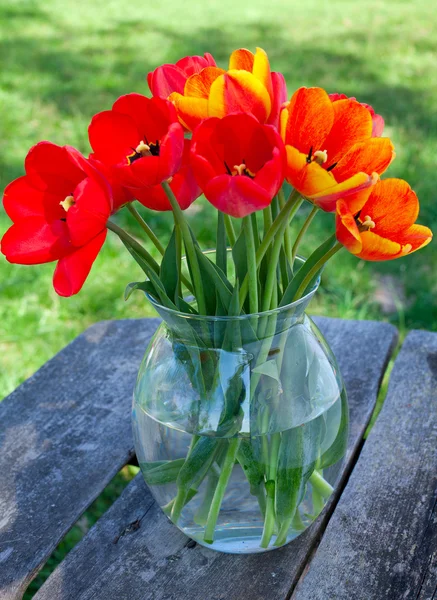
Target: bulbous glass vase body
x=240 y=425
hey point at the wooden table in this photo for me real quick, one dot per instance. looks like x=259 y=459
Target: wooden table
x=66 y=432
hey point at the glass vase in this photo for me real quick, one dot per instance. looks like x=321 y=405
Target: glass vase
x=240 y=425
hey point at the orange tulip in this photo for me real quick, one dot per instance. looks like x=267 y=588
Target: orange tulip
x=331 y=153
x=384 y=228
x=248 y=86
x=377 y=120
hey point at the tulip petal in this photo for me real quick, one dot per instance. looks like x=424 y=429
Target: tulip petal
x=22 y=200
x=194 y=64
x=237 y=196
x=190 y=111
x=49 y=168
x=113 y=137
x=72 y=270
x=307 y=120
x=120 y=195
x=239 y=91
x=199 y=84
x=346 y=228
x=356 y=189
x=183 y=186
x=352 y=124
x=33 y=241
x=151 y=116
x=166 y=79
x=241 y=59
x=393 y=206
x=377 y=248
x=372 y=155
x=307 y=178
x=279 y=96
x=261 y=70
x=417 y=236
x=90 y=212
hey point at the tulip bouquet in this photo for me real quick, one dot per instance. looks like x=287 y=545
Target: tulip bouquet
x=235 y=137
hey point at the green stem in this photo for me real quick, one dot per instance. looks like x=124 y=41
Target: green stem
x=178 y=240
x=227 y=467
x=267 y=218
x=133 y=211
x=252 y=271
x=286 y=214
x=269 y=521
x=271 y=280
x=230 y=231
x=189 y=248
x=123 y=235
x=287 y=235
x=320 y=484
x=313 y=272
x=302 y=232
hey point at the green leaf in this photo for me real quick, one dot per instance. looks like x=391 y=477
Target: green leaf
x=249 y=457
x=215 y=281
x=161 y=472
x=197 y=462
x=239 y=254
x=145 y=286
x=305 y=268
x=298 y=453
x=168 y=272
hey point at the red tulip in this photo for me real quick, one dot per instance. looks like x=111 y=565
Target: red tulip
x=59 y=210
x=140 y=139
x=384 y=227
x=238 y=163
x=183 y=185
x=377 y=120
x=171 y=78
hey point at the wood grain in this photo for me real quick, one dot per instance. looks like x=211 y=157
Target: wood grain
x=64 y=434
x=381 y=542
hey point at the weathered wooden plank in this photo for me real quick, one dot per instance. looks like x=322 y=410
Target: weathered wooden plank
x=155 y=561
x=382 y=539
x=64 y=434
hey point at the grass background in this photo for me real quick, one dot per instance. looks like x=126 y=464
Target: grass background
x=63 y=61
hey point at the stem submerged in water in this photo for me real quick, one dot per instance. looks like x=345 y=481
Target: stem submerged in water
x=227 y=467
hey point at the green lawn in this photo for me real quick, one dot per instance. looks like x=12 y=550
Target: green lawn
x=61 y=62
x=60 y=65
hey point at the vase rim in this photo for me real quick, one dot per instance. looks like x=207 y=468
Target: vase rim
x=280 y=309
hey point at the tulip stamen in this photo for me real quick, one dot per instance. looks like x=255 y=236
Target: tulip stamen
x=239 y=169
x=68 y=203
x=320 y=157
x=242 y=170
x=310 y=156
x=228 y=170
x=143 y=149
x=331 y=167
x=366 y=225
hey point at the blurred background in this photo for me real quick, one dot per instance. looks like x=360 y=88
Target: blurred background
x=61 y=62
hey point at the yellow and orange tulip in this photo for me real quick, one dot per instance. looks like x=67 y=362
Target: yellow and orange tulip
x=331 y=150
x=247 y=86
x=384 y=228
